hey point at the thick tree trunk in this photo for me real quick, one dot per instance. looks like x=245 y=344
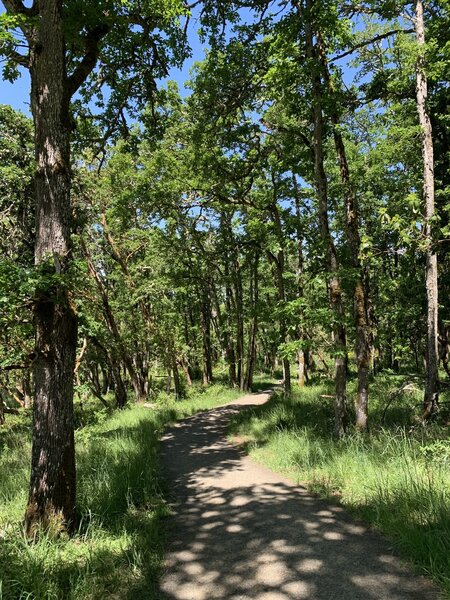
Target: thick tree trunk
x=431 y=397
x=334 y=285
x=52 y=483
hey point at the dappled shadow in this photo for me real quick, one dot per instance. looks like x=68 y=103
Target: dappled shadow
x=243 y=532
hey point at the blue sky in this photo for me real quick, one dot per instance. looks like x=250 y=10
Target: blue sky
x=17 y=94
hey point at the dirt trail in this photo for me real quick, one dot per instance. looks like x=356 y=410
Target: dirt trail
x=242 y=532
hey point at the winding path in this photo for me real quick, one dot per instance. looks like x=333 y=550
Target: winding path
x=242 y=532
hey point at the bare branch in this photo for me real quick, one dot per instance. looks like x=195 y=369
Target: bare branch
x=193 y=4
x=87 y=64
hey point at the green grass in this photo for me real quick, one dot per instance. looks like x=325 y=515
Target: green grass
x=396 y=478
x=118 y=549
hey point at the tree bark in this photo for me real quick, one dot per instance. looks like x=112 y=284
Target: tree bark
x=52 y=491
x=2 y=411
x=205 y=318
x=431 y=397
x=278 y=263
x=254 y=297
x=239 y=317
x=360 y=292
x=321 y=184
x=302 y=374
x=113 y=327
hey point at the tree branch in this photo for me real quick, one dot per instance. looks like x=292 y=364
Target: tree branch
x=14 y=367
x=87 y=64
x=377 y=38
x=18 y=58
x=15 y=7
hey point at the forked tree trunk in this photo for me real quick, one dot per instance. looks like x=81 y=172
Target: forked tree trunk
x=52 y=483
x=431 y=397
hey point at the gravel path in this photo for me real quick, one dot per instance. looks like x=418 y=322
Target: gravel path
x=242 y=532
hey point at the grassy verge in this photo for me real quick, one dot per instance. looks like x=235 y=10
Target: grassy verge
x=118 y=550
x=397 y=478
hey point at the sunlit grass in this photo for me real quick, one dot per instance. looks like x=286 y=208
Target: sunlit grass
x=118 y=549
x=397 y=477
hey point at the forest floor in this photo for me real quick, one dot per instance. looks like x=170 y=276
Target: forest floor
x=241 y=531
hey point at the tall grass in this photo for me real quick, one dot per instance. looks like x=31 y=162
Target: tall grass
x=396 y=478
x=118 y=549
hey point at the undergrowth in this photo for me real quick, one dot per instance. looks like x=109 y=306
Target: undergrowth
x=118 y=549
x=397 y=477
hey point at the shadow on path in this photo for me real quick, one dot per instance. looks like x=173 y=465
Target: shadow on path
x=242 y=532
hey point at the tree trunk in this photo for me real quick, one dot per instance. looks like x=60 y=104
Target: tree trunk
x=254 y=297
x=2 y=411
x=172 y=358
x=278 y=263
x=106 y=380
x=52 y=484
x=430 y=403
x=360 y=292
x=120 y=392
x=113 y=327
x=299 y=275
x=178 y=388
x=185 y=367
x=205 y=317
x=321 y=184
x=301 y=368
x=239 y=316
x=228 y=338
x=169 y=380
